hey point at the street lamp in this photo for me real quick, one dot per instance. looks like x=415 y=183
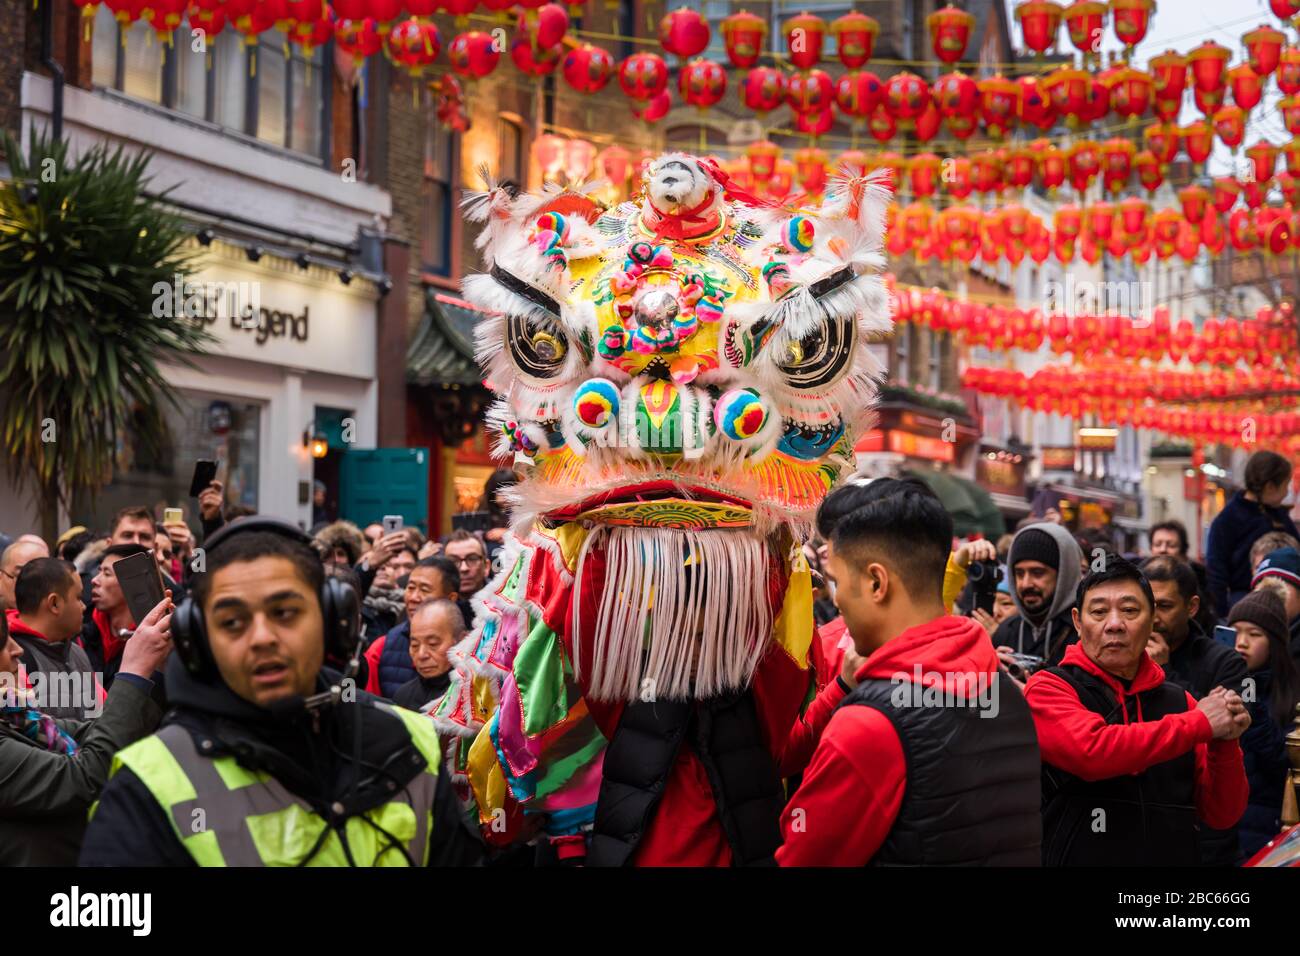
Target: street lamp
x=315 y=442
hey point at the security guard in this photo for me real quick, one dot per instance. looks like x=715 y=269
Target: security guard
x=266 y=759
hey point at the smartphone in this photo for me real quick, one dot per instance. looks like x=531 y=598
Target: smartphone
x=205 y=470
x=173 y=516
x=1225 y=634
x=392 y=523
x=472 y=521
x=141 y=583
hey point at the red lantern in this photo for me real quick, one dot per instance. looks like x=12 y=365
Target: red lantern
x=533 y=61
x=804 y=36
x=858 y=93
x=1209 y=103
x=1069 y=89
x=1208 y=63
x=1166 y=110
x=1086 y=21
x=1241 y=232
x=1101 y=221
x=762 y=157
x=1290 y=187
x=655 y=108
x=1040 y=21
x=1083 y=164
x=1230 y=126
x=311 y=34
x=1116 y=163
x=1169 y=74
x=743 y=33
x=357 y=38
x=1247 y=88
x=855 y=35
x=1067 y=221
x=473 y=54
x=684 y=32
x=763 y=89
x=1288 y=71
x=956 y=94
x=702 y=83
x=950 y=31
x=881 y=124
x=1162 y=140
x=1131 y=18
x=1264 y=47
x=923 y=172
x=1292 y=153
x=1263 y=159
x=815 y=122
x=249 y=18
x=811 y=90
x=643 y=75
x=545 y=26
x=927 y=124
x=1130 y=92
x=1051 y=163
x=1198 y=140
x=1285 y=9
x=1226 y=191
x=588 y=68
x=413 y=44
x=460 y=9
x=906 y=95
x=986 y=172
x=1033 y=106
x=1194 y=199
x=1133 y=214
x=165 y=16
x=998 y=104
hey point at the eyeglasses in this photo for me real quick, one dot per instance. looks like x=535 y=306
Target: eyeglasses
x=470 y=559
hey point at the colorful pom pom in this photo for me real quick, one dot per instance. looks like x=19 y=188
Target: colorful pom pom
x=554 y=222
x=739 y=414
x=595 y=403
x=798 y=234
x=613 y=342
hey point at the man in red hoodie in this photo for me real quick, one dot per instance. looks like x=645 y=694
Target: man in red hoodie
x=932 y=717
x=1129 y=759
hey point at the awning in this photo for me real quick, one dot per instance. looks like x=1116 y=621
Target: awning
x=972 y=508
x=441 y=351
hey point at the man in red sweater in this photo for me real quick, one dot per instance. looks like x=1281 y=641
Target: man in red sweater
x=1130 y=760
x=932 y=717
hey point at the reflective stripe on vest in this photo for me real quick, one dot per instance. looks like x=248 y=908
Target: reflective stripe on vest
x=226 y=815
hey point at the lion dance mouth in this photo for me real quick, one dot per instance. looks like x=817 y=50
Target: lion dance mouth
x=681 y=392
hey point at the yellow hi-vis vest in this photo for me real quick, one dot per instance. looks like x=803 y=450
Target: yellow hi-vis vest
x=226 y=815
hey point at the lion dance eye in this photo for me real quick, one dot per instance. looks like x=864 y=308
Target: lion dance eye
x=822 y=357
x=536 y=349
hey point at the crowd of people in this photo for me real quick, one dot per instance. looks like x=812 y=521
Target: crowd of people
x=1092 y=708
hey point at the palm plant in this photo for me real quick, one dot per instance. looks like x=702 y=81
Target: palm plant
x=81 y=251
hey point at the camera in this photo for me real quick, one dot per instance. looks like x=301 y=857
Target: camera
x=983 y=577
x=1023 y=665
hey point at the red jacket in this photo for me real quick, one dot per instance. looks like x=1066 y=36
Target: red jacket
x=1080 y=742
x=853 y=788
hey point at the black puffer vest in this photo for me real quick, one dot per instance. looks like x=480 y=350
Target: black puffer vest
x=1144 y=819
x=972 y=796
x=725 y=734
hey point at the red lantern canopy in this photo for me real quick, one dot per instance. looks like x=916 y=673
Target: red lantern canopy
x=998 y=97
x=1033 y=106
x=810 y=91
x=763 y=89
x=1198 y=140
x=804 y=36
x=643 y=75
x=950 y=31
x=858 y=93
x=1195 y=199
x=684 y=32
x=1085 y=20
x=357 y=38
x=1226 y=191
x=1246 y=86
x=1208 y=63
x=1263 y=159
x=1040 y=21
x=1288 y=71
x=588 y=68
x=855 y=37
x=1162 y=140
x=1230 y=126
x=473 y=54
x=1169 y=74
x=743 y=33
x=1264 y=47
x=906 y=96
x=1131 y=19
x=956 y=94
x=702 y=83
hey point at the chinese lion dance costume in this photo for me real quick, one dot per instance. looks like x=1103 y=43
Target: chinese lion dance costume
x=683 y=378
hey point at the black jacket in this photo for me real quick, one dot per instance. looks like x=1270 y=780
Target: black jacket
x=1263 y=749
x=1227 y=561
x=1016 y=633
x=414 y=694
x=313 y=761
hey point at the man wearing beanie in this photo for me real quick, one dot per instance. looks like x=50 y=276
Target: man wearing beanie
x=1261 y=624
x=1045 y=563
x=1283 y=565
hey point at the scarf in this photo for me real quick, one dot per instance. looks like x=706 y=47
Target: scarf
x=386 y=600
x=35 y=726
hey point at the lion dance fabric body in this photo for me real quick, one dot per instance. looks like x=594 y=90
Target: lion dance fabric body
x=683 y=378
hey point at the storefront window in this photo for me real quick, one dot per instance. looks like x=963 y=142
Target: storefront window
x=158 y=474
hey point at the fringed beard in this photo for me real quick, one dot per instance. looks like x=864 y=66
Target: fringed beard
x=666 y=630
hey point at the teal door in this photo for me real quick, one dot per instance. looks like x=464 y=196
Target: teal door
x=385 y=481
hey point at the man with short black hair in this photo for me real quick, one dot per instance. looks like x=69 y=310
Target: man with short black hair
x=1130 y=760
x=389 y=658
x=108 y=623
x=1169 y=538
x=931 y=715
x=46 y=623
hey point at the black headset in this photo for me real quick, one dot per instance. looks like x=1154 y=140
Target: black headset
x=339 y=603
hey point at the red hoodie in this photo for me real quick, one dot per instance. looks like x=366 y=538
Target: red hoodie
x=853 y=788
x=1080 y=742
